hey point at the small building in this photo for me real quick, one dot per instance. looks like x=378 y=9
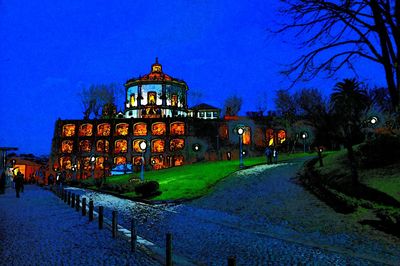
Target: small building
x=204 y=111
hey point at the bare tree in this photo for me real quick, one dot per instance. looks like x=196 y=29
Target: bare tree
x=232 y=105
x=96 y=97
x=339 y=31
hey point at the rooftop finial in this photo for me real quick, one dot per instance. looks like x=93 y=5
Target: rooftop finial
x=156 y=67
x=156 y=60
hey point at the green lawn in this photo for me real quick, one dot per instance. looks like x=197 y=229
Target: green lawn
x=194 y=180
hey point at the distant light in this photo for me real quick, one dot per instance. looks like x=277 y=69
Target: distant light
x=244 y=152
x=92 y=159
x=304 y=135
x=374 y=120
x=240 y=131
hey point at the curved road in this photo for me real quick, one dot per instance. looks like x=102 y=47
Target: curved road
x=262 y=217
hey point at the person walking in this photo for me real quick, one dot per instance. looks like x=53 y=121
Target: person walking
x=275 y=155
x=19 y=183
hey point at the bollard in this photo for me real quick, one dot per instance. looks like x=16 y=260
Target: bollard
x=168 y=250
x=69 y=198
x=73 y=200
x=101 y=213
x=77 y=203
x=232 y=261
x=114 y=224
x=133 y=235
x=83 y=206
x=62 y=194
x=91 y=207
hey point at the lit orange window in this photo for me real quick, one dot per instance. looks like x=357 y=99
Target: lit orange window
x=121 y=145
x=85 y=130
x=66 y=146
x=103 y=129
x=137 y=160
x=157 y=162
x=119 y=160
x=151 y=97
x=86 y=163
x=65 y=163
x=174 y=100
x=157 y=145
x=121 y=129
x=176 y=144
x=269 y=135
x=247 y=136
x=158 y=129
x=178 y=160
x=223 y=132
x=136 y=147
x=85 y=146
x=177 y=128
x=99 y=163
x=102 y=146
x=68 y=130
x=281 y=136
x=140 y=129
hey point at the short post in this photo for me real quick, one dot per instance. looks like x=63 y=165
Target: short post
x=101 y=214
x=65 y=195
x=232 y=261
x=133 y=235
x=114 y=224
x=168 y=250
x=83 y=206
x=321 y=163
x=73 y=200
x=91 y=207
x=77 y=203
x=69 y=198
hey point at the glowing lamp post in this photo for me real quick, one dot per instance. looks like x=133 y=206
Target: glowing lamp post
x=240 y=132
x=374 y=120
x=92 y=160
x=142 y=146
x=304 y=135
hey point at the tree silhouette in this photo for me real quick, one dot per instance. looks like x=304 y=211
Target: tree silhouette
x=339 y=31
x=348 y=101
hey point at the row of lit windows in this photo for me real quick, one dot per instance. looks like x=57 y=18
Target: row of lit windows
x=157 y=162
x=122 y=129
x=121 y=145
x=272 y=136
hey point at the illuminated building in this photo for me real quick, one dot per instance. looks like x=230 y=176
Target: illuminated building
x=156 y=111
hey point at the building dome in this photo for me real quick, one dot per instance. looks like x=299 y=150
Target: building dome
x=155 y=95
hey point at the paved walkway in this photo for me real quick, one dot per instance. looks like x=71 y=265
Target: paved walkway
x=39 y=229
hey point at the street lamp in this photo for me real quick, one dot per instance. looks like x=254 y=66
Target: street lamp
x=304 y=135
x=240 y=132
x=74 y=168
x=373 y=120
x=92 y=160
x=142 y=146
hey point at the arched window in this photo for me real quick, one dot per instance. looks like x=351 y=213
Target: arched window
x=65 y=163
x=157 y=145
x=103 y=129
x=177 y=128
x=121 y=129
x=85 y=130
x=85 y=146
x=68 y=130
x=99 y=162
x=158 y=129
x=281 y=135
x=119 y=160
x=176 y=144
x=178 y=160
x=247 y=136
x=102 y=145
x=67 y=146
x=157 y=162
x=140 y=129
x=269 y=136
x=121 y=146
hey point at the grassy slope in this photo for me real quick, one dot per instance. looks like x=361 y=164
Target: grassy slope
x=195 y=180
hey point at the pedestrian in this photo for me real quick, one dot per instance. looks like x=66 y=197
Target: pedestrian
x=268 y=154
x=50 y=180
x=275 y=155
x=2 y=182
x=19 y=182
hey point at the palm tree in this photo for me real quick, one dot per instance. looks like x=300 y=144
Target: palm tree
x=348 y=100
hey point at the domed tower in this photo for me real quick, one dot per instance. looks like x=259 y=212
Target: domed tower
x=156 y=95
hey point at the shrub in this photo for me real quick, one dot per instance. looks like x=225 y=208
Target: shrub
x=148 y=188
x=381 y=151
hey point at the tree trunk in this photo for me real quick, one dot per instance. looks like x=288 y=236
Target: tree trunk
x=353 y=164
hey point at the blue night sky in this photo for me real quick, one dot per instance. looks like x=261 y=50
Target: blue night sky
x=50 y=49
